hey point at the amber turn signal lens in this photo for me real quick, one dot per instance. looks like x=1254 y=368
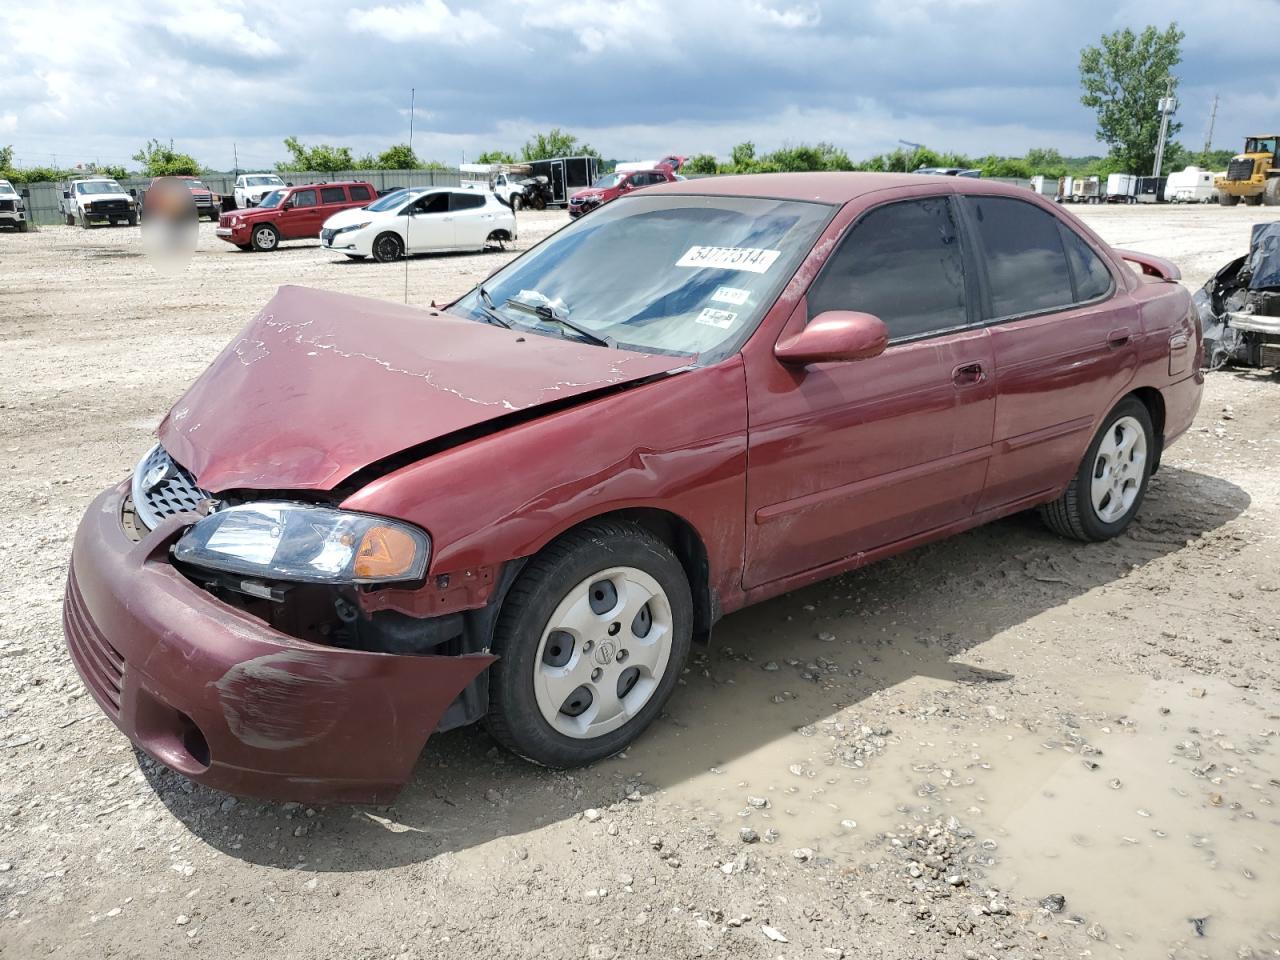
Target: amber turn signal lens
x=384 y=552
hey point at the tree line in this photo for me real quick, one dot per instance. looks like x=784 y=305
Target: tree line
x=1122 y=79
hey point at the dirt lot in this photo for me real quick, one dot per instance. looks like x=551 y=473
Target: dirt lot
x=920 y=752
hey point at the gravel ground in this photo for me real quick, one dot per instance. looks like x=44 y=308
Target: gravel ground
x=1002 y=745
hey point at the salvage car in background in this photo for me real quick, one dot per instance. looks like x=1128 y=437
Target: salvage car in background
x=97 y=200
x=1240 y=305
x=208 y=204
x=614 y=185
x=13 y=211
x=420 y=220
x=294 y=213
x=365 y=522
x=250 y=188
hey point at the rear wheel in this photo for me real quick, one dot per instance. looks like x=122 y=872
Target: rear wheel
x=1253 y=201
x=355 y=256
x=1108 y=488
x=265 y=237
x=1271 y=195
x=387 y=247
x=1227 y=199
x=591 y=641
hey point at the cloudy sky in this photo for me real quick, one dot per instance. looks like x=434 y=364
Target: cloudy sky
x=82 y=81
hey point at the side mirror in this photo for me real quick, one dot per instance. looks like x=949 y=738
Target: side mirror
x=66 y=194
x=287 y=205
x=835 y=336
x=133 y=193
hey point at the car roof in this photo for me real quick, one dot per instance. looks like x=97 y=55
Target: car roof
x=833 y=188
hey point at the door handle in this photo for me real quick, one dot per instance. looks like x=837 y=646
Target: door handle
x=968 y=374
x=1118 y=337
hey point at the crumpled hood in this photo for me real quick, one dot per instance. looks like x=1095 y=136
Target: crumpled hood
x=320 y=384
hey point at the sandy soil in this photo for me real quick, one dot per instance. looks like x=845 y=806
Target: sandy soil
x=919 y=753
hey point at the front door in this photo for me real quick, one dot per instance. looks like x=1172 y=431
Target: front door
x=1065 y=337
x=557 y=181
x=304 y=216
x=847 y=457
x=430 y=225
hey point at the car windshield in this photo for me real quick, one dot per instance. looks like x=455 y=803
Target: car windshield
x=263 y=182
x=272 y=199
x=609 y=180
x=98 y=186
x=393 y=199
x=6 y=187
x=680 y=275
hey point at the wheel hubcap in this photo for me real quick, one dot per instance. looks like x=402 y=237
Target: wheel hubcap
x=1118 y=470
x=387 y=249
x=266 y=238
x=603 y=652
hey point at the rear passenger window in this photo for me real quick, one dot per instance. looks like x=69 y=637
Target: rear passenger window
x=360 y=193
x=1026 y=263
x=465 y=201
x=333 y=195
x=901 y=262
x=304 y=198
x=1091 y=276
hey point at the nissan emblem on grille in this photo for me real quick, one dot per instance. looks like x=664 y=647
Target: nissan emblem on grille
x=162 y=489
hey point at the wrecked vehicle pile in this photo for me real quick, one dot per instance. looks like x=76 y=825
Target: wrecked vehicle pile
x=1240 y=306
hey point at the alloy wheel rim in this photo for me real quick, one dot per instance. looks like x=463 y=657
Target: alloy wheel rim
x=1118 y=470
x=603 y=653
x=387 y=248
x=266 y=238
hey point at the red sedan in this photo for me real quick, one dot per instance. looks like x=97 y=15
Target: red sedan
x=365 y=522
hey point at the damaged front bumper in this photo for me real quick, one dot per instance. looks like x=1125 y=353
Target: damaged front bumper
x=230 y=702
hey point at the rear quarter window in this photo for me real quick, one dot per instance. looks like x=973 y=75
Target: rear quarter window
x=361 y=193
x=333 y=195
x=1092 y=278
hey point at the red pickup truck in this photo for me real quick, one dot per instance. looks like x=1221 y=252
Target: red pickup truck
x=613 y=185
x=294 y=213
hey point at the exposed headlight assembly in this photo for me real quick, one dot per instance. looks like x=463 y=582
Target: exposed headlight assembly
x=310 y=544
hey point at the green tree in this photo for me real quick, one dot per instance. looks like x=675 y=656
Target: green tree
x=112 y=170
x=495 y=156
x=161 y=160
x=6 y=158
x=1123 y=79
x=397 y=157
x=557 y=143
x=744 y=156
x=321 y=158
x=701 y=163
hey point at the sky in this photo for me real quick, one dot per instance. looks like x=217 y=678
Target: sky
x=637 y=79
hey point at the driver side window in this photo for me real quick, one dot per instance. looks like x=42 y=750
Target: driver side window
x=432 y=203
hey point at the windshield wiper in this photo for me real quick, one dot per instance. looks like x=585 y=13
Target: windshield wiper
x=488 y=308
x=544 y=311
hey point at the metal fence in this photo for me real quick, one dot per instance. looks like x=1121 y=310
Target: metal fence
x=42 y=198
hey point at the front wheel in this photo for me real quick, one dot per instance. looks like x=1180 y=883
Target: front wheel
x=387 y=247
x=1108 y=488
x=1253 y=201
x=590 y=643
x=1227 y=199
x=265 y=237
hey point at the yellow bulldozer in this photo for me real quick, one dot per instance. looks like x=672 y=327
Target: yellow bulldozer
x=1253 y=175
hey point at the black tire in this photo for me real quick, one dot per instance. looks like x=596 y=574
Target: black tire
x=1227 y=200
x=133 y=219
x=71 y=220
x=1073 y=514
x=244 y=246
x=264 y=237
x=1253 y=201
x=514 y=718
x=84 y=222
x=387 y=247
x=23 y=226
x=1271 y=194
x=517 y=202
x=355 y=256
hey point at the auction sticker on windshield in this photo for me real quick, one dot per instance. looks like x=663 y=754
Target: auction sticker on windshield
x=716 y=318
x=735 y=295
x=751 y=259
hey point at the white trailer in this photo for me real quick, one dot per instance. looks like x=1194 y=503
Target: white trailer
x=1045 y=186
x=1192 y=185
x=1065 y=186
x=1121 y=188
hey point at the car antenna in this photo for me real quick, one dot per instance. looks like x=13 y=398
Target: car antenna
x=408 y=205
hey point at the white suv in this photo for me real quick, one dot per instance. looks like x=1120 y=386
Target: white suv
x=420 y=220
x=97 y=198
x=13 y=212
x=252 y=187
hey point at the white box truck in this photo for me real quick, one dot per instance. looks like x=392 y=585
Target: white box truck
x=1121 y=188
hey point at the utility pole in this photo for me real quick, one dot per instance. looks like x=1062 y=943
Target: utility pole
x=1168 y=104
x=1208 y=134
x=236 y=155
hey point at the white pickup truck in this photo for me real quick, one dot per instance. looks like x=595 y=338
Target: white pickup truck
x=97 y=199
x=13 y=212
x=252 y=187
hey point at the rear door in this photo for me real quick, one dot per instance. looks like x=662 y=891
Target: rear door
x=303 y=218
x=1064 y=335
x=848 y=457
x=472 y=218
x=333 y=200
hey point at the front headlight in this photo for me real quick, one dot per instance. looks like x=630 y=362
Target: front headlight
x=354 y=226
x=295 y=541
